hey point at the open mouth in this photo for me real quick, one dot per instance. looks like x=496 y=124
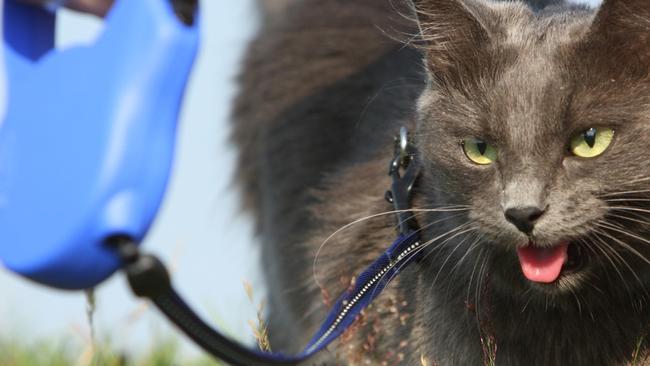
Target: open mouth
x=547 y=264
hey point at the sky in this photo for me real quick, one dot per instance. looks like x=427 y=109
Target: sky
x=198 y=231
x=591 y=3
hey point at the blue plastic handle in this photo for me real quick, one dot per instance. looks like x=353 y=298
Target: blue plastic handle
x=87 y=142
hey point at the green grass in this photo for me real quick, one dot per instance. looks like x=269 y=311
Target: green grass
x=64 y=353
x=18 y=350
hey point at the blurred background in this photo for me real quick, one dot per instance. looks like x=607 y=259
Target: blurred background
x=200 y=231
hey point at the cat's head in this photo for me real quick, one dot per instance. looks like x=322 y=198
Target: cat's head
x=538 y=123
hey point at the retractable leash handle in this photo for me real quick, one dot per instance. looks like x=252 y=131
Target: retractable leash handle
x=87 y=141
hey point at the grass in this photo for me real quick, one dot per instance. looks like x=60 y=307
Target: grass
x=63 y=353
x=15 y=350
x=258 y=326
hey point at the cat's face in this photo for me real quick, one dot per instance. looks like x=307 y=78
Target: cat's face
x=539 y=125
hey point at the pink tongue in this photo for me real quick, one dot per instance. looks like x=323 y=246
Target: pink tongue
x=543 y=265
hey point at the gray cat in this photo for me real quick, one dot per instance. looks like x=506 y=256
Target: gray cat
x=531 y=122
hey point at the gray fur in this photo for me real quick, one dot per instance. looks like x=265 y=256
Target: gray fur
x=327 y=84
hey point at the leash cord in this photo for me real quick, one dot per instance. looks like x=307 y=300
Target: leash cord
x=149 y=278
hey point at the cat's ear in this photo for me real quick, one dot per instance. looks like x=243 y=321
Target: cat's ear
x=622 y=28
x=453 y=35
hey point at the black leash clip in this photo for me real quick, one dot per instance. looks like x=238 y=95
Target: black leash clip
x=404 y=171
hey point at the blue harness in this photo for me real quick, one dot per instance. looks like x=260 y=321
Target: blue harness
x=85 y=152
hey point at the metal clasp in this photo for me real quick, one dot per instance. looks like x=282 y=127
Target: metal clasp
x=404 y=171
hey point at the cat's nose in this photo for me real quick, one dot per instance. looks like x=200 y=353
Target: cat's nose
x=524 y=218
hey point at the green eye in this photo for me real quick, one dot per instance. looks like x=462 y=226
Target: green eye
x=479 y=151
x=592 y=142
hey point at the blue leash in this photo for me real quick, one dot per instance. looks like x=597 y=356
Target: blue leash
x=149 y=278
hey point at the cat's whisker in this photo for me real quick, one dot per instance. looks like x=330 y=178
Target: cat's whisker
x=623 y=217
x=476 y=243
x=589 y=308
x=394 y=275
x=482 y=258
x=606 y=251
x=422 y=211
x=453 y=208
x=621 y=193
x=479 y=292
x=530 y=298
x=471 y=277
x=423 y=246
x=634 y=213
x=441 y=245
x=625 y=263
x=623 y=244
x=428 y=243
x=444 y=263
x=577 y=301
x=621 y=259
x=638 y=180
x=628 y=200
x=626 y=208
x=469 y=251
